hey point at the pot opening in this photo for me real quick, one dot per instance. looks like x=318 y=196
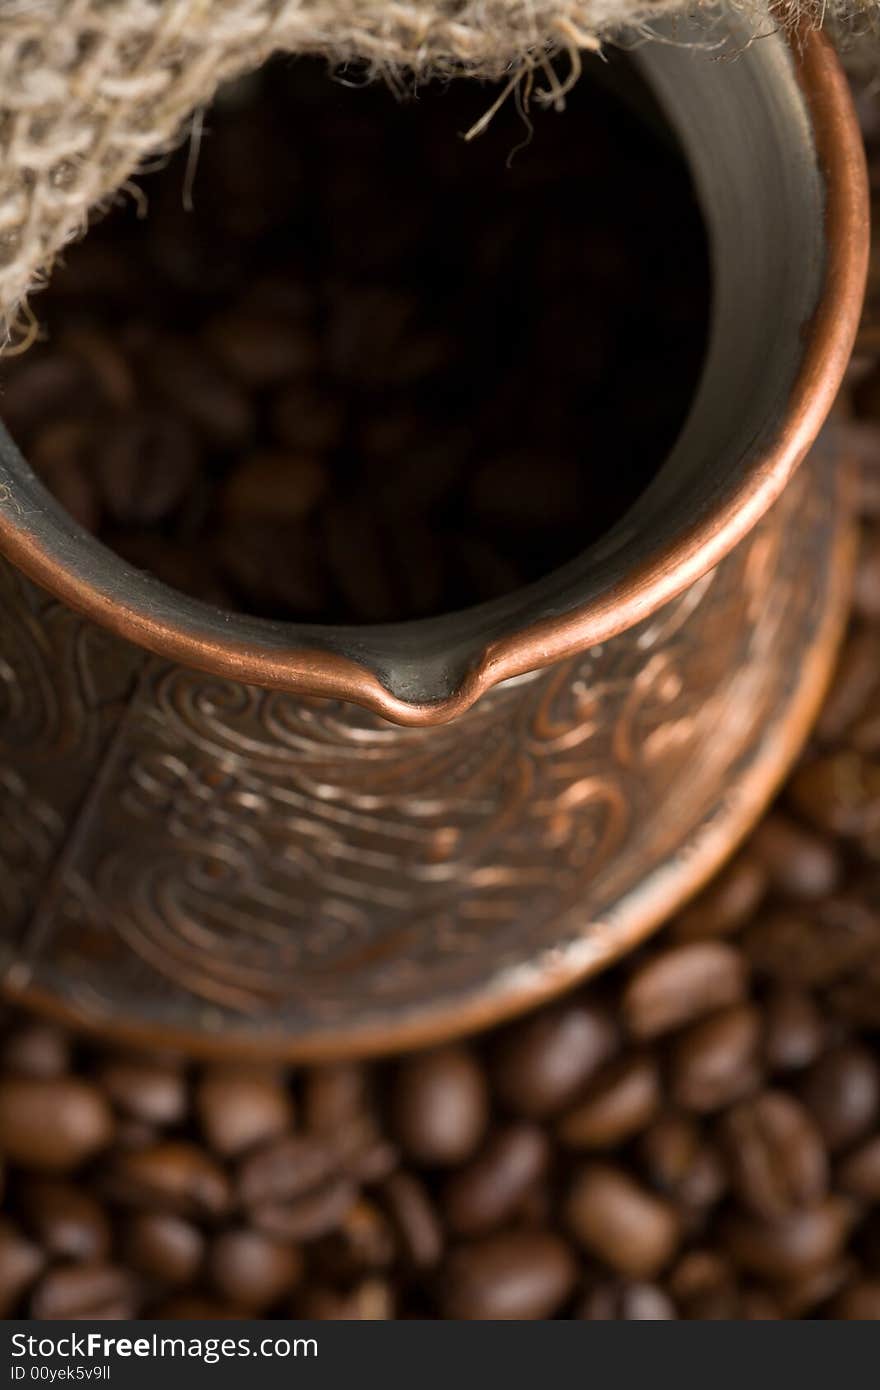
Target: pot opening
x=350 y=368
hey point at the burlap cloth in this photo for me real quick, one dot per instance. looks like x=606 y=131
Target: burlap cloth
x=89 y=88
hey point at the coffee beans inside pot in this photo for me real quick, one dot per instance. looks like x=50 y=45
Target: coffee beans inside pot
x=351 y=367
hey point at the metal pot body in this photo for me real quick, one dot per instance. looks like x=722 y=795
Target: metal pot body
x=190 y=859
x=241 y=836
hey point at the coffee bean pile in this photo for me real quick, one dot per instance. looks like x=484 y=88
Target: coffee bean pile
x=374 y=373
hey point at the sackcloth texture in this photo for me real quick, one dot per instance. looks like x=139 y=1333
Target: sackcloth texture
x=89 y=89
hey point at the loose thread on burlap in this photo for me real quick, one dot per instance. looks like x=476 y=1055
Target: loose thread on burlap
x=521 y=87
x=91 y=90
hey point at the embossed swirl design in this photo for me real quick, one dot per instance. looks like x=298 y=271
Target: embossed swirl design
x=217 y=856
x=275 y=847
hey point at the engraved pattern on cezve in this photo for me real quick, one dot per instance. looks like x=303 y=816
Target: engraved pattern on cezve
x=253 y=862
x=64 y=684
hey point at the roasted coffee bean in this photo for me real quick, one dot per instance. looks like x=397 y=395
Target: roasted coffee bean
x=197 y=388
x=362 y=1150
x=21 y=1261
x=68 y=1222
x=794 y=1033
x=305 y=418
x=727 y=905
x=676 y=986
x=865 y=738
x=437 y=463
x=775 y=1155
x=760 y=1306
x=57 y=456
x=503 y=489
x=707 y=1289
x=715 y=1062
x=798 y=862
x=856 y=679
x=134 y=1134
x=792 y=1247
x=364 y=1242
x=439 y=1106
x=240 y=1107
x=313 y=1214
x=723 y=1304
x=147 y=1091
x=417 y=565
x=866 y=589
x=286 y=1168
x=197 y=1308
x=415 y=1219
x=333 y=1096
x=36 y=1049
x=859 y=1303
x=250 y=1269
x=541 y=1064
x=815 y=945
x=855 y=998
x=358 y=561
x=627 y=1302
x=704 y=1284
x=802 y=1297
x=867 y=1238
x=681 y=1163
x=520 y=1275
x=487 y=1191
x=369 y=332
x=172 y=1176
x=280 y=486
x=370 y=1301
x=145 y=464
x=843 y=1092
x=259 y=349
x=863 y=367
x=838 y=794
x=42 y=387
x=100 y=352
x=483 y=568
x=613 y=1217
x=275 y=567
x=163 y=1247
x=52 y=1125
x=859 y=1173
x=620 y=1102
x=89 y=1291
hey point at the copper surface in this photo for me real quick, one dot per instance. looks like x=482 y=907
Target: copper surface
x=282 y=857
x=829 y=337
x=230 y=869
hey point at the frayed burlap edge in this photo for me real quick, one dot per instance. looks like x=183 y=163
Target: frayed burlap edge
x=90 y=88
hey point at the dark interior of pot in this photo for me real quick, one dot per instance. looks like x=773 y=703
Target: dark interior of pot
x=339 y=365
x=312 y=394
